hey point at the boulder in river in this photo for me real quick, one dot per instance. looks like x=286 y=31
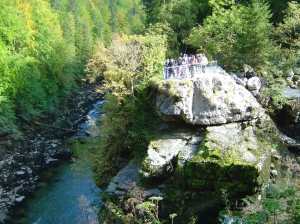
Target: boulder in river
x=65 y=154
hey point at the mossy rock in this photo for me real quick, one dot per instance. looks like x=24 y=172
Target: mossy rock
x=230 y=157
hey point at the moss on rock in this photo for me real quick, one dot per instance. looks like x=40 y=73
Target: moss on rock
x=230 y=157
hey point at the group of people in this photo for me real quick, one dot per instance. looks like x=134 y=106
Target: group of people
x=186 y=63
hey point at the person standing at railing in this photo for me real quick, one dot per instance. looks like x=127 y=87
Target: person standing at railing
x=192 y=63
x=198 y=60
x=184 y=67
x=171 y=68
x=166 y=72
x=167 y=62
x=204 y=62
x=179 y=67
x=186 y=58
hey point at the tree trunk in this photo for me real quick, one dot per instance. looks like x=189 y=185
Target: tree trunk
x=132 y=90
x=50 y=126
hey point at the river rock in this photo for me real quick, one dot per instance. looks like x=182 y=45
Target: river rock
x=254 y=83
x=50 y=153
x=19 y=199
x=51 y=162
x=20 y=173
x=65 y=154
x=209 y=100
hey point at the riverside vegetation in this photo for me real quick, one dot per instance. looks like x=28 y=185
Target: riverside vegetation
x=43 y=65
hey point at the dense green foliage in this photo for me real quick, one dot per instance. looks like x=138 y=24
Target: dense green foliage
x=238 y=34
x=44 y=46
x=181 y=16
x=127 y=66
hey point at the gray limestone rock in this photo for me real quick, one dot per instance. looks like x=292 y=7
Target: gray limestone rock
x=240 y=81
x=19 y=199
x=160 y=154
x=254 y=83
x=127 y=180
x=291 y=93
x=208 y=100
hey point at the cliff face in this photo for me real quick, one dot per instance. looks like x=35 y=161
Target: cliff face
x=216 y=136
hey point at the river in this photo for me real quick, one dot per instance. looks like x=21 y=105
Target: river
x=67 y=193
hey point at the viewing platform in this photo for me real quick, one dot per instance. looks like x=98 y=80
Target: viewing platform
x=184 y=71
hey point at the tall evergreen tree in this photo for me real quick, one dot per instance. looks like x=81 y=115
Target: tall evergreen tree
x=180 y=16
x=235 y=34
x=287 y=36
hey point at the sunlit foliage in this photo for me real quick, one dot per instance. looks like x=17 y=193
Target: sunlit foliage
x=44 y=46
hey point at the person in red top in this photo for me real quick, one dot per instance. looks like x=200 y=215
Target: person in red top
x=192 y=63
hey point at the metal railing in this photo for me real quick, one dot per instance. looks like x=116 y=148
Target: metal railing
x=188 y=71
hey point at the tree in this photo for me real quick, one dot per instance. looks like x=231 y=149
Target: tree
x=7 y=118
x=127 y=61
x=179 y=15
x=287 y=36
x=235 y=34
x=127 y=67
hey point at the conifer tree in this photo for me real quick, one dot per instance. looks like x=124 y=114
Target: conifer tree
x=238 y=34
x=287 y=36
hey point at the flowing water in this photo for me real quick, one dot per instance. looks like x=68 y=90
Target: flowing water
x=67 y=193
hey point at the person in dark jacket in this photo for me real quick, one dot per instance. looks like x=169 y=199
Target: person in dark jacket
x=171 y=68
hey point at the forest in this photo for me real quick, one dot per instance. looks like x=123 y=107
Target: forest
x=44 y=47
x=45 y=44
x=49 y=48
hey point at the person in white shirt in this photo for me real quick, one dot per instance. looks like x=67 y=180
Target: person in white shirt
x=204 y=62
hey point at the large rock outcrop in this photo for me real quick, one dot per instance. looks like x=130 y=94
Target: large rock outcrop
x=233 y=156
x=216 y=137
x=234 y=152
x=209 y=100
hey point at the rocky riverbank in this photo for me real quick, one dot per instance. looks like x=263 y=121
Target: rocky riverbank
x=21 y=161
